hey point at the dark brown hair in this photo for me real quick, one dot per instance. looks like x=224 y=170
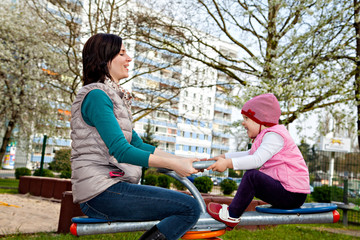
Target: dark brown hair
x=97 y=52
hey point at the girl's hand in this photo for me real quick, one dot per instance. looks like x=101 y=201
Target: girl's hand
x=221 y=164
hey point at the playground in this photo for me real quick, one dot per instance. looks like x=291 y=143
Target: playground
x=25 y=214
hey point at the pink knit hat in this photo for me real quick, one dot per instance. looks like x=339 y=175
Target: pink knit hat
x=263 y=109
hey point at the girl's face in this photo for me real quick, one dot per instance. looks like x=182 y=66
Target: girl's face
x=118 y=67
x=251 y=126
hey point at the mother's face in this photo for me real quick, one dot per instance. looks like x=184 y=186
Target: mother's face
x=118 y=67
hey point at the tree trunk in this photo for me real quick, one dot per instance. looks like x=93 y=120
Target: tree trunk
x=357 y=74
x=6 y=139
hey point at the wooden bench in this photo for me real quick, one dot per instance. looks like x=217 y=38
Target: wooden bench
x=47 y=187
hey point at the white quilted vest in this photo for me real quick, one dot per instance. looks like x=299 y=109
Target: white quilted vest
x=90 y=158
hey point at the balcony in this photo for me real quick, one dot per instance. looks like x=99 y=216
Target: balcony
x=221 y=134
x=141 y=104
x=155 y=93
x=158 y=65
x=222 y=109
x=52 y=141
x=222 y=121
x=221 y=147
x=160 y=123
x=165 y=138
x=161 y=80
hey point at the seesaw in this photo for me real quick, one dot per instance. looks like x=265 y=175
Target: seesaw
x=207 y=227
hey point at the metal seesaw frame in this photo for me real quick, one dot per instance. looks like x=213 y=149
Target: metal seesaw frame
x=207 y=227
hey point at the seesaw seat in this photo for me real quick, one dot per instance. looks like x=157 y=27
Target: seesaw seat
x=89 y=220
x=304 y=209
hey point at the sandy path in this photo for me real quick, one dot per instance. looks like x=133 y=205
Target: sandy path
x=27 y=214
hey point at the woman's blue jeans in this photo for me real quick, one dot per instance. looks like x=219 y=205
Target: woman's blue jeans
x=128 y=202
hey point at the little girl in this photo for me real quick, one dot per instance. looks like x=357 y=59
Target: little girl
x=283 y=177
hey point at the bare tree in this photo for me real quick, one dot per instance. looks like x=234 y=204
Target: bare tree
x=285 y=47
x=356 y=62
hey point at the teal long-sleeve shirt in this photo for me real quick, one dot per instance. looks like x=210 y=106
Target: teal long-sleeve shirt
x=98 y=111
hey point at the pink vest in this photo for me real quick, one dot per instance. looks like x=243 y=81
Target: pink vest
x=288 y=165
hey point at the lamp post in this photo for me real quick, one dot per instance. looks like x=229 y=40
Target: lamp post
x=43 y=155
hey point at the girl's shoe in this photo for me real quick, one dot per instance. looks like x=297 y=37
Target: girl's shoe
x=221 y=213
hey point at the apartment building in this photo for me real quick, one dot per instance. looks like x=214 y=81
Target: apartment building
x=195 y=119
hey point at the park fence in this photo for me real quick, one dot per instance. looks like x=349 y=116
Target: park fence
x=341 y=171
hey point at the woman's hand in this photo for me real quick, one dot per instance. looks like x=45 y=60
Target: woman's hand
x=221 y=164
x=184 y=167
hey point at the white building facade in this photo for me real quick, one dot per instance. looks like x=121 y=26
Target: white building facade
x=197 y=118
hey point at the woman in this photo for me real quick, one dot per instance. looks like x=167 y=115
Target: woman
x=107 y=154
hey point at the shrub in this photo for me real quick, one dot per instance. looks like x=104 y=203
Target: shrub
x=203 y=184
x=233 y=173
x=228 y=186
x=150 y=180
x=164 y=181
x=152 y=171
x=325 y=192
x=23 y=171
x=61 y=161
x=178 y=185
x=45 y=173
x=65 y=174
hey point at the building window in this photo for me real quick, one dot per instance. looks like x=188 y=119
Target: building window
x=171 y=131
x=162 y=115
x=160 y=129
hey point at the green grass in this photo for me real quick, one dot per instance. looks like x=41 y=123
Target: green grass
x=9 y=182
x=9 y=185
x=287 y=232
x=9 y=191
